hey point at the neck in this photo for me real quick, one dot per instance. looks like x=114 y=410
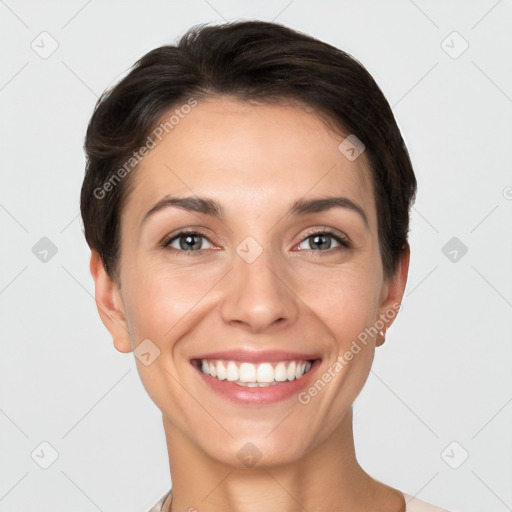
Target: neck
x=327 y=477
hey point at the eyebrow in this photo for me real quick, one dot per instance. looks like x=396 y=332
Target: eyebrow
x=211 y=207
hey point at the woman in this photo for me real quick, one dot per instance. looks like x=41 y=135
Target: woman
x=246 y=202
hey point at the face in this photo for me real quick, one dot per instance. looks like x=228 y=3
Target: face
x=272 y=258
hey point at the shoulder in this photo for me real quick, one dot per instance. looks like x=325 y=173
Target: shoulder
x=416 y=505
x=157 y=507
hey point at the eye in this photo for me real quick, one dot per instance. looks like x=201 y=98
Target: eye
x=322 y=241
x=193 y=241
x=187 y=241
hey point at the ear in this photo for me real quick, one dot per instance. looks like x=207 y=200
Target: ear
x=393 y=291
x=110 y=305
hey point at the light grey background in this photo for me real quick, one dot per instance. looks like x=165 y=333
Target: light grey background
x=443 y=374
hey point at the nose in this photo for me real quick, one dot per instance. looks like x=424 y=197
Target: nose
x=258 y=296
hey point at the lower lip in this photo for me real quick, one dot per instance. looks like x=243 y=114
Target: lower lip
x=259 y=396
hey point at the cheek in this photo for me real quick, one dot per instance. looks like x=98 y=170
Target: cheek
x=346 y=303
x=344 y=300
x=160 y=298
x=348 y=308
x=163 y=305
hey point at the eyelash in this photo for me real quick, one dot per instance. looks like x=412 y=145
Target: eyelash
x=342 y=240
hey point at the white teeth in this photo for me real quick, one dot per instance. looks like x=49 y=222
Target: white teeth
x=255 y=384
x=265 y=373
x=280 y=373
x=251 y=375
x=232 y=372
x=247 y=372
x=291 y=370
x=299 y=372
x=221 y=371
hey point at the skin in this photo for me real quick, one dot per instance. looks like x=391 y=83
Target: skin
x=255 y=160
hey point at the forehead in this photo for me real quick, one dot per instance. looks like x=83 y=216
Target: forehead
x=250 y=156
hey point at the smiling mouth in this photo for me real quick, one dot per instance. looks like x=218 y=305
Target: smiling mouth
x=254 y=375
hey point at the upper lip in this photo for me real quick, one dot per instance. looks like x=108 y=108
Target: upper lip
x=257 y=356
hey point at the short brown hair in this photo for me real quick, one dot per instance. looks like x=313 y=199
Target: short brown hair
x=249 y=60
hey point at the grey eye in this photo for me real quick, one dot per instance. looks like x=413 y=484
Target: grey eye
x=320 y=241
x=188 y=242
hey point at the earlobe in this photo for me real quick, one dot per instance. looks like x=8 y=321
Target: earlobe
x=110 y=305
x=393 y=292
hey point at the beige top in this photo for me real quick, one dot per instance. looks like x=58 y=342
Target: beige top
x=413 y=504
